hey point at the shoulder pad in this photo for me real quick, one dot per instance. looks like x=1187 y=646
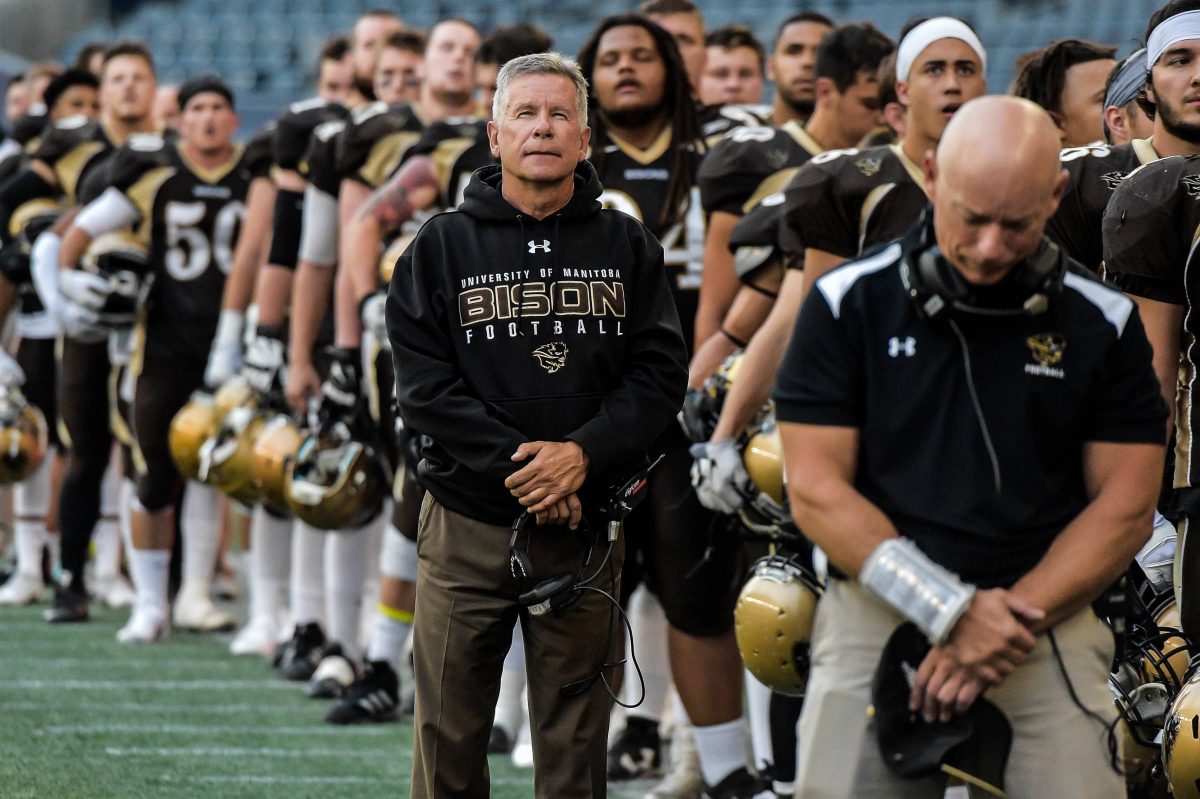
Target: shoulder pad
x=732 y=171
x=64 y=136
x=257 y=157
x=139 y=155
x=296 y=126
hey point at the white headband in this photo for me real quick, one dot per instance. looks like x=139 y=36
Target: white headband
x=929 y=32
x=1172 y=30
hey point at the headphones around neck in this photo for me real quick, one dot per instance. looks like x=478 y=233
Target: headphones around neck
x=553 y=594
x=935 y=286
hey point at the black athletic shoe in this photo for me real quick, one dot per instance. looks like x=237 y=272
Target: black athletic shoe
x=70 y=605
x=499 y=743
x=333 y=676
x=373 y=697
x=637 y=751
x=741 y=784
x=302 y=653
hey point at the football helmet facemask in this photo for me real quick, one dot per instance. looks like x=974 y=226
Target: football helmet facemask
x=122 y=260
x=227 y=457
x=335 y=481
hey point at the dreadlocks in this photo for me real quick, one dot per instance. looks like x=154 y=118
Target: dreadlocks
x=677 y=97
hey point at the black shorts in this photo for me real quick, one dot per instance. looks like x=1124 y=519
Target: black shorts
x=159 y=395
x=36 y=358
x=83 y=399
x=666 y=541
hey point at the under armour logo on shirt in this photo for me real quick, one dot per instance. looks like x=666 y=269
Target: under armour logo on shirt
x=906 y=346
x=544 y=246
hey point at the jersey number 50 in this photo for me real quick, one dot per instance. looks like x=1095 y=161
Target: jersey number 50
x=189 y=250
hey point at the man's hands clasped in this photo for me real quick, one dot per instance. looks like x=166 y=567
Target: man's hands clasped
x=991 y=639
x=546 y=485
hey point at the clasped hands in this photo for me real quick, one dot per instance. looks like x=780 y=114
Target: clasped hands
x=546 y=485
x=989 y=640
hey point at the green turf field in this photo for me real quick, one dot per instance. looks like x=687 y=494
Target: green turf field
x=84 y=716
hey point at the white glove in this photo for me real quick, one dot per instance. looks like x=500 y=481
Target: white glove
x=372 y=311
x=80 y=323
x=225 y=357
x=84 y=288
x=11 y=373
x=717 y=474
x=264 y=364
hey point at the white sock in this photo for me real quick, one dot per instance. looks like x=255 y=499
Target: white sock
x=722 y=749
x=127 y=493
x=758 y=712
x=510 y=708
x=389 y=634
x=150 y=569
x=649 y=625
x=270 y=562
x=30 y=501
x=29 y=539
x=107 y=542
x=347 y=556
x=201 y=537
x=308 y=574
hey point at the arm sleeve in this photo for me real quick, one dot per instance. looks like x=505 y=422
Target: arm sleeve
x=1128 y=407
x=109 y=212
x=651 y=392
x=319 y=228
x=820 y=380
x=433 y=396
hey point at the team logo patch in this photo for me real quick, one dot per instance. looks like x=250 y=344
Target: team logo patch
x=1113 y=179
x=1047 y=350
x=869 y=166
x=1191 y=184
x=552 y=356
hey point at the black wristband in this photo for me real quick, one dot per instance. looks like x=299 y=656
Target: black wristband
x=285 y=229
x=765 y=292
x=270 y=331
x=736 y=341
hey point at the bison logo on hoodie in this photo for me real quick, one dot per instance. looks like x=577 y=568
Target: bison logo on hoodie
x=552 y=356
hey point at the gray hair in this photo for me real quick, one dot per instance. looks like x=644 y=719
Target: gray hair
x=540 y=64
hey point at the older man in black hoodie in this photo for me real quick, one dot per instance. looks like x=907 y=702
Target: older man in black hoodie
x=538 y=350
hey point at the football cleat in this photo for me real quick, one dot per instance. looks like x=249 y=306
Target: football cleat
x=256 y=638
x=21 y=589
x=69 y=606
x=197 y=613
x=301 y=655
x=145 y=627
x=499 y=743
x=334 y=674
x=373 y=697
x=637 y=751
x=684 y=780
x=740 y=784
x=113 y=590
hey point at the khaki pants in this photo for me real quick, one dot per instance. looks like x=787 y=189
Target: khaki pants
x=465 y=611
x=1057 y=751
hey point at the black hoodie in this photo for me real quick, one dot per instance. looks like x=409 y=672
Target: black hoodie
x=507 y=329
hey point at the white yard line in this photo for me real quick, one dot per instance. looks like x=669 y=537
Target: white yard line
x=233 y=751
x=155 y=707
x=278 y=779
x=153 y=685
x=193 y=729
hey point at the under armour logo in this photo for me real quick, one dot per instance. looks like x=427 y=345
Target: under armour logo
x=897 y=345
x=544 y=246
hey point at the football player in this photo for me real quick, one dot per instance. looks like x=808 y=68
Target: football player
x=166 y=106
x=370 y=30
x=1067 y=78
x=187 y=202
x=840 y=204
x=1124 y=119
x=683 y=20
x=501 y=45
x=71 y=154
x=335 y=70
x=751 y=163
x=792 y=65
x=645 y=147
x=1096 y=170
x=733 y=67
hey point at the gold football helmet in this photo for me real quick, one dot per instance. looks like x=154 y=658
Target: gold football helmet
x=1167 y=662
x=335 y=483
x=227 y=457
x=274 y=450
x=1181 y=742
x=23 y=439
x=773 y=622
x=192 y=426
x=31 y=219
x=234 y=393
x=391 y=254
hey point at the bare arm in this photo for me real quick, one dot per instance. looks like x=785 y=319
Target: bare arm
x=718 y=284
x=766 y=350
x=1164 y=325
x=251 y=246
x=310 y=301
x=1097 y=546
x=74 y=244
x=749 y=311
x=347 y=325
